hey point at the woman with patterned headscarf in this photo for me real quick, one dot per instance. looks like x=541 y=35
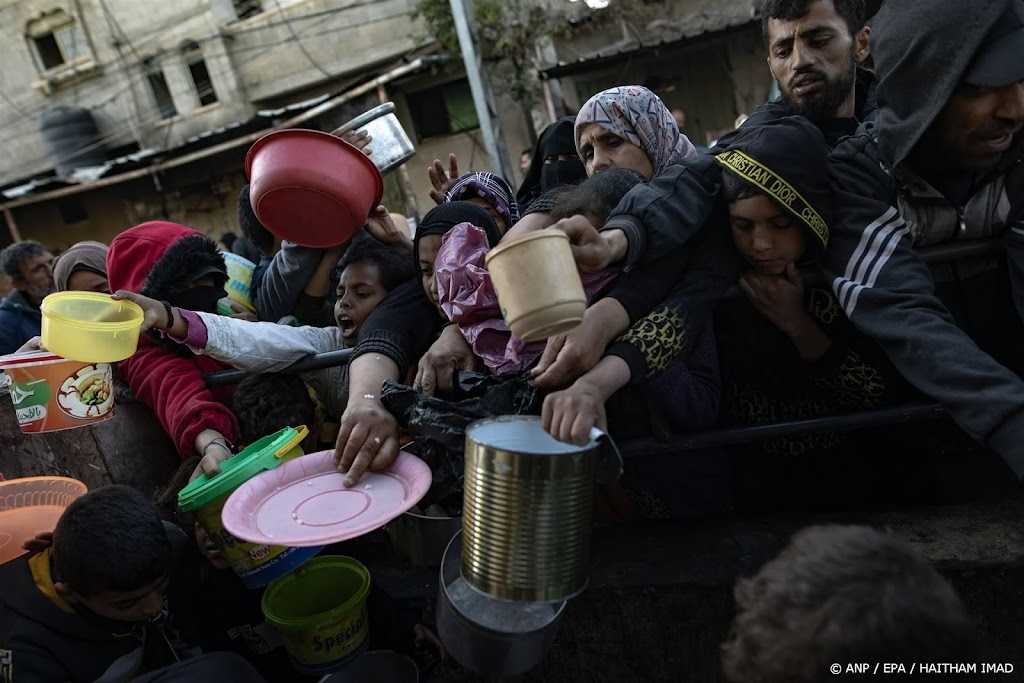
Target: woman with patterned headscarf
x=490 y=192
x=629 y=127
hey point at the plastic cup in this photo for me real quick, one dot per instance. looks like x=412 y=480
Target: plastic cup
x=90 y=327
x=537 y=283
x=321 y=614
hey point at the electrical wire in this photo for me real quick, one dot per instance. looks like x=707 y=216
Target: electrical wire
x=132 y=74
x=299 y=43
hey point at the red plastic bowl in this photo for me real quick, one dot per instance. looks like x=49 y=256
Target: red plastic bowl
x=311 y=188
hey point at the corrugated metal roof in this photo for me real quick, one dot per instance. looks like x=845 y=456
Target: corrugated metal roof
x=663 y=33
x=138 y=159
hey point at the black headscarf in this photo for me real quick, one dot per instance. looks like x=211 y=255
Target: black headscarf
x=444 y=217
x=558 y=138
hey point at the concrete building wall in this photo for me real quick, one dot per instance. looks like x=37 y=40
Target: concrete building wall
x=201 y=196
x=468 y=147
x=108 y=78
x=341 y=39
x=712 y=80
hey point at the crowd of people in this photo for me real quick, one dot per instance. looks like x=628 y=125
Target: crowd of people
x=786 y=273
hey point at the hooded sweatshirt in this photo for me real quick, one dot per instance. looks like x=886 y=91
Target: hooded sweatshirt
x=886 y=208
x=44 y=639
x=152 y=259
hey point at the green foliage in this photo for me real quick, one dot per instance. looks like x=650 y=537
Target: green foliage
x=437 y=15
x=507 y=31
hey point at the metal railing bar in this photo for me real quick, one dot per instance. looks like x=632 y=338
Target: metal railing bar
x=915 y=412
x=328 y=359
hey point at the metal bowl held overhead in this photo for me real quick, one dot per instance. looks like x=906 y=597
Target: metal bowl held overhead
x=492 y=637
x=391 y=146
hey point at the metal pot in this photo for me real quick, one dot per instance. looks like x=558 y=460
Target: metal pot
x=391 y=146
x=527 y=508
x=492 y=637
x=379 y=666
x=420 y=539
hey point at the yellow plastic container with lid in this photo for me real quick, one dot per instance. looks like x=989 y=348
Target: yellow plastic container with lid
x=239 y=282
x=90 y=327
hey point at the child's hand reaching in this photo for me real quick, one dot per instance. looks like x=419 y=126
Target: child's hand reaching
x=382 y=226
x=359 y=139
x=214 y=449
x=33 y=344
x=570 y=414
x=156 y=315
x=440 y=180
x=241 y=312
x=154 y=312
x=39 y=543
x=592 y=250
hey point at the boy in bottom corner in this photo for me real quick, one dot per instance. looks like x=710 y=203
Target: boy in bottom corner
x=106 y=602
x=844 y=594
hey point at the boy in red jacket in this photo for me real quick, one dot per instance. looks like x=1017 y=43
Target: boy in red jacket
x=170 y=262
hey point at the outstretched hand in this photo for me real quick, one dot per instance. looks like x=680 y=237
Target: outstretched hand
x=39 y=542
x=449 y=354
x=33 y=344
x=241 y=312
x=154 y=312
x=214 y=449
x=381 y=225
x=367 y=439
x=569 y=356
x=570 y=414
x=358 y=139
x=441 y=181
x=593 y=251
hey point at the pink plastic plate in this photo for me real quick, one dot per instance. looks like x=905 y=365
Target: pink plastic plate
x=303 y=503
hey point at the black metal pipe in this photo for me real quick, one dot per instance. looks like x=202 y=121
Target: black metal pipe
x=915 y=412
x=317 y=361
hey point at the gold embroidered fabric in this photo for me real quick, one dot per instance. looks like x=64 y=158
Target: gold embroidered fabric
x=660 y=336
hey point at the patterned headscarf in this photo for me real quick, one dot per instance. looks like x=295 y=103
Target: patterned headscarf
x=637 y=115
x=489 y=187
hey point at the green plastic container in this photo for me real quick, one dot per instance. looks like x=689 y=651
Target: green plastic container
x=321 y=614
x=256 y=565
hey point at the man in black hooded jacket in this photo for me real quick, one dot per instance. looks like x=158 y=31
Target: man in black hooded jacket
x=942 y=163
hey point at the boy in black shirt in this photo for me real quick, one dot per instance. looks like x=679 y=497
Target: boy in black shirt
x=100 y=604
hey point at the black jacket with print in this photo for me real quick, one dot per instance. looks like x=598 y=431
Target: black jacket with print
x=887 y=211
x=765 y=380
